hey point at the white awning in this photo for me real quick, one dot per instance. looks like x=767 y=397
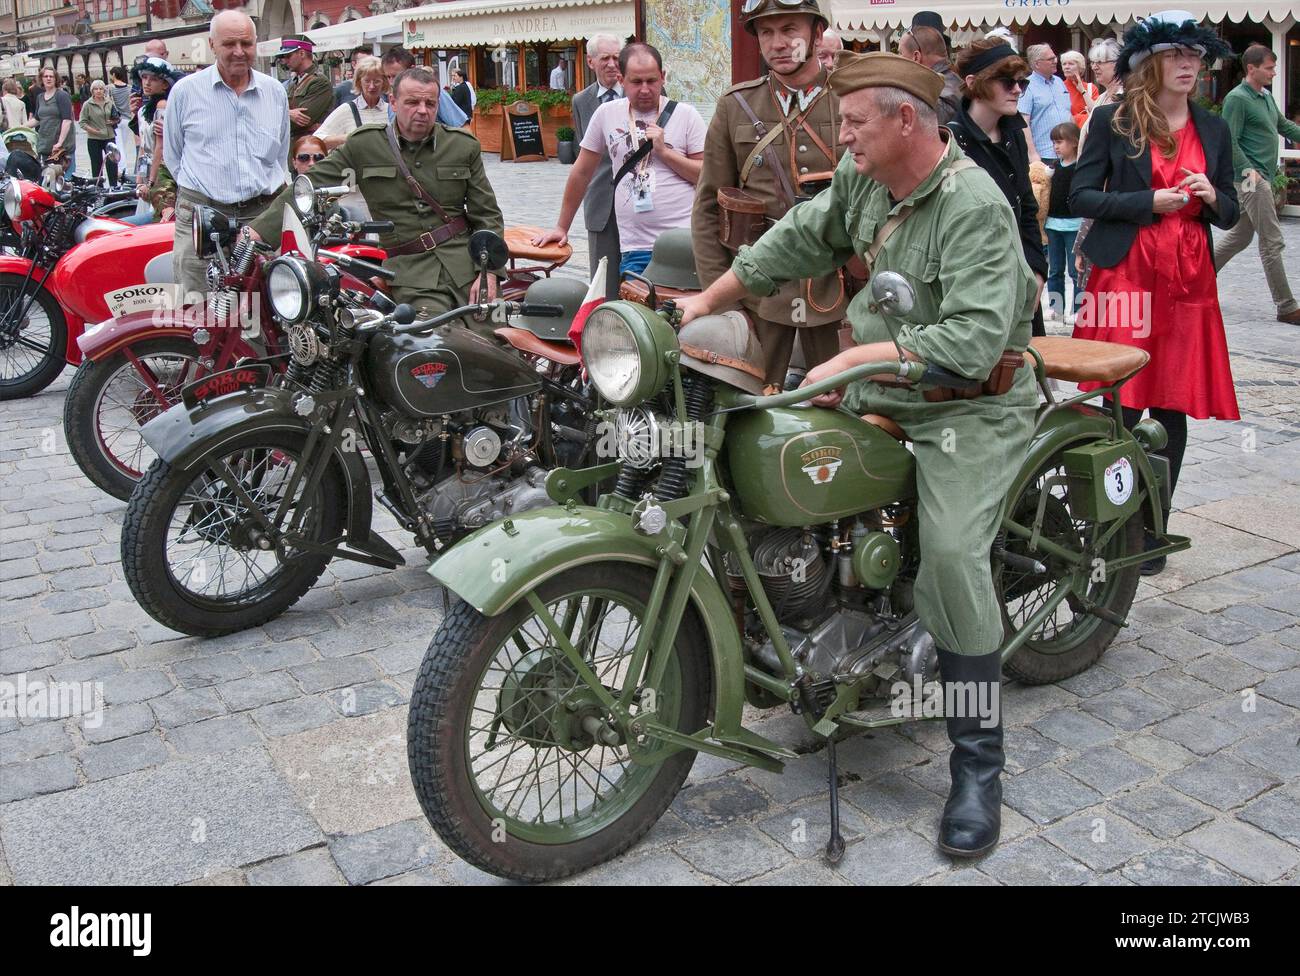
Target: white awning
x=492 y=22
x=343 y=37
x=864 y=14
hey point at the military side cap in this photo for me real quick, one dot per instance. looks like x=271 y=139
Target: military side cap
x=294 y=42
x=879 y=69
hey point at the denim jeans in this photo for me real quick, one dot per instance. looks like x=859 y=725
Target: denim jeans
x=635 y=261
x=1060 y=258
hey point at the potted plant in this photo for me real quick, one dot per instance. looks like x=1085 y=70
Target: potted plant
x=565 y=146
x=1281 y=186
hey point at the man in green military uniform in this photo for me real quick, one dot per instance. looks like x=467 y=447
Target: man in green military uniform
x=908 y=194
x=429 y=246
x=775 y=138
x=311 y=97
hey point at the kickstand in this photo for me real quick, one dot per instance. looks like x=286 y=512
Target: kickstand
x=834 y=846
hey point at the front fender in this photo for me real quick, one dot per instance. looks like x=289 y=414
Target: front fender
x=106 y=338
x=535 y=545
x=14 y=264
x=181 y=437
x=1077 y=424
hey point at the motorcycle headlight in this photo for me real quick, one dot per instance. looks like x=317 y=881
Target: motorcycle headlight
x=304 y=196
x=294 y=287
x=625 y=347
x=13 y=200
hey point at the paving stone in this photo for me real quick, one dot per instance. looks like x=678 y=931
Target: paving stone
x=297 y=715
x=801 y=874
x=1074 y=730
x=1248 y=711
x=34 y=741
x=1133 y=660
x=1285 y=601
x=660 y=869
x=120 y=721
x=1198 y=732
x=333 y=673
x=135 y=686
x=1046 y=795
x=803 y=830
x=1128 y=708
x=186 y=705
x=1244 y=850
x=1175 y=866
x=1278 y=812
x=1091 y=682
x=310 y=868
x=401 y=656
x=1221 y=782
x=1223 y=672
x=1265 y=654
x=1284 y=687
x=59 y=626
x=1032 y=861
x=1026 y=749
x=1160 y=810
x=1108 y=770
x=1224 y=630
x=1026 y=704
x=1260 y=617
x=366 y=699
x=719 y=802
x=203 y=671
x=802 y=777
x=260 y=689
x=1101 y=841
x=215 y=735
x=160 y=826
x=1276 y=750
x=101 y=642
x=295 y=623
x=1178 y=689
x=732 y=854
x=896 y=856
x=892 y=800
x=277 y=657
x=49 y=774
x=123 y=756
x=31 y=657
x=385 y=851
x=219 y=879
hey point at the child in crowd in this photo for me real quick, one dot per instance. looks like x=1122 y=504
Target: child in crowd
x=1061 y=227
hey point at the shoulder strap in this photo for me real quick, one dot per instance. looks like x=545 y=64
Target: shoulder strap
x=765 y=140
x=893 y=223
x=356 y=112
x=411 y=181
x=643 y=150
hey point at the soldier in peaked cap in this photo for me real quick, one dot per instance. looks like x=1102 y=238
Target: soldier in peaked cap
x=311 y=97
x=772 y=143
x=906 y=199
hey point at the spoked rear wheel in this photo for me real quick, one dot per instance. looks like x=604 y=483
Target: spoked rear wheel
x=33 y=337
x=510 y=754
x=109 y=401
x=1072 y=638
x=193 y=548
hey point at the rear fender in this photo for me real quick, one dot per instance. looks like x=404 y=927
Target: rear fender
x=181 y=437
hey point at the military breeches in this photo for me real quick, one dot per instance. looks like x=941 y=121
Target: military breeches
x=968 y=452
x=818 y=343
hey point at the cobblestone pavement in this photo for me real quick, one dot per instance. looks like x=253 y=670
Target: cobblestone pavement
x=278 y=755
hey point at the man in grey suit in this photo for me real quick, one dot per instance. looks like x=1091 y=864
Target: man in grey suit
x=598 y=203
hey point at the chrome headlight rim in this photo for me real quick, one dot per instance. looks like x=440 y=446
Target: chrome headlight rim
x=289 y=279
x=13 y=200
x=304 y=196
x=653 y=340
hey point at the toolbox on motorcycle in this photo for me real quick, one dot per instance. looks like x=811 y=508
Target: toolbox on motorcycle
x=1103 y=480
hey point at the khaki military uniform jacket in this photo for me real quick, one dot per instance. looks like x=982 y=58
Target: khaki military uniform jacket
x=730 y=140
x=449 y=165
x=315 y=96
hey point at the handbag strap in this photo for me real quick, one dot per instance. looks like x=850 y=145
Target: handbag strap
x=643 y=150
x=411 y=181
x=356 y=112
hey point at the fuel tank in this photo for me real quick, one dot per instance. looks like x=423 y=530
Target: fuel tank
x=448 y=370
x=105 y=264
x=805 y=465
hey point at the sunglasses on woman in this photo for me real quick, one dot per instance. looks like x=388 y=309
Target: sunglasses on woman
x=309 y=157
x=1010 y=83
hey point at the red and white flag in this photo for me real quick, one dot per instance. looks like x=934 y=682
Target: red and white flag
x=595 y=295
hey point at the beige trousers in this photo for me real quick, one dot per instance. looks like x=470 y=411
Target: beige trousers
x=1259 y=216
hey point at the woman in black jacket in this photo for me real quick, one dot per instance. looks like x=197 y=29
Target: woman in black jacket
x=991 y=131
x=1155 y=173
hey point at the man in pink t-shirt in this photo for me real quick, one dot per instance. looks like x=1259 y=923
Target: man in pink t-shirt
x=657 y=193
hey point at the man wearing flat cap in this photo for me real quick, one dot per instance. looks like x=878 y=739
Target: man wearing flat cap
x=906 y=193
x=311 y=97
x=773 y=139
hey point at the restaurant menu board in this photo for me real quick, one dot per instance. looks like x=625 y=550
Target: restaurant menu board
x=522 y=138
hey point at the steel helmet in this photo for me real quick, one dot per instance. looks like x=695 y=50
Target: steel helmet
x=724 y=347
x=672 y=262
x=566 y=292
x=751 y=10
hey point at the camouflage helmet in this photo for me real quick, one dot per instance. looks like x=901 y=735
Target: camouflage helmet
x=672 y=262
x=566 y=292
x=724 y=347
x=752 y=10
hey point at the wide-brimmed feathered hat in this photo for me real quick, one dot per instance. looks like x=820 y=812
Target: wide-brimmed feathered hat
x=154 y=65
x=1165 y=31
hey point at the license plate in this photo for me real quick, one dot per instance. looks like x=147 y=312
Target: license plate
x=207 y=389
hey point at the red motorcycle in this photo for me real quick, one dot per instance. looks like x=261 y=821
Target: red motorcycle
x=43 y=311
x=136 y=364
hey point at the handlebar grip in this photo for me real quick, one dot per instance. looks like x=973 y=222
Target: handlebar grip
x=404 y=314
x=937 y=376
x=542 y=311
x=377 y=226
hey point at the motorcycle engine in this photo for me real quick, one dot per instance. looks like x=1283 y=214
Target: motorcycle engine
x=794 y=572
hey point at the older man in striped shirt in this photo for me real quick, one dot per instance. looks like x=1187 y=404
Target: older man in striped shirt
x=226 y=139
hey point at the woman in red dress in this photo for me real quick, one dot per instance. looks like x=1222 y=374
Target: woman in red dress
x=1155 y=173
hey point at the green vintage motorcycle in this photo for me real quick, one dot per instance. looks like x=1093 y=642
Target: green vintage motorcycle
x=754 y=549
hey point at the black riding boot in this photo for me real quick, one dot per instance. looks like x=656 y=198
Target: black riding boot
x=972 y=817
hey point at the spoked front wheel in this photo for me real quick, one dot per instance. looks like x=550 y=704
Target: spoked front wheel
x=1078 y=631
x=33 y=337
x=200 y=547
x=513 y=759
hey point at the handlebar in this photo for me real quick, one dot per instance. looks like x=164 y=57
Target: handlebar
x=541 y=311
x=360 y=267
x=401 y=321
x=909 y=370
